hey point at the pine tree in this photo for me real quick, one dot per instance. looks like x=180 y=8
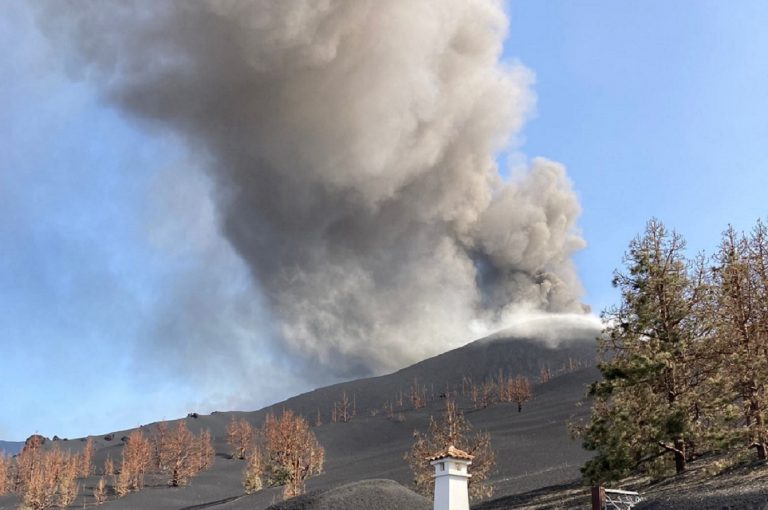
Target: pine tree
x=741 y=328
x=647 y=404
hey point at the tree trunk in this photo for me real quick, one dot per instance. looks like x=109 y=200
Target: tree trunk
x=762 y=451
x=519 y=408
x=679 y=455
x=754 y=407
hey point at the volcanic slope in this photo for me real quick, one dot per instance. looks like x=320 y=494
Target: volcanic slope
x=10 y=447
x=532 y=447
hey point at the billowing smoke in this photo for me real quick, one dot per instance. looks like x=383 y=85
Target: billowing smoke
x=352 y=147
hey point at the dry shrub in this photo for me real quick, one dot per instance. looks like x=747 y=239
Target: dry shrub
x=253 y=471
x=240 y=437
x=136 y=459
x=292 y=452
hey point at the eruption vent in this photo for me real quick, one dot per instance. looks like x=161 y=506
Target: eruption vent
x=352 y=146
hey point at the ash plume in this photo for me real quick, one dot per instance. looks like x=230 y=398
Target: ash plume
x=352 y=149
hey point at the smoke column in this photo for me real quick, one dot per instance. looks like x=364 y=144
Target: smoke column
x=351 y=145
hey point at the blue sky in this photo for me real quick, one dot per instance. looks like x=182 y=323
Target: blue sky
x=655 y=108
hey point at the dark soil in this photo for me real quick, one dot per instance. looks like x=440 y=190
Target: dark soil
x=365 y=495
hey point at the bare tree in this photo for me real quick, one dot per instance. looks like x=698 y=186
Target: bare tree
x=51 y=480
x=292 y=452
x=86 y=458
x=178 y=458
x=240 y=437
x=253 y=472
x=519 y=389
x=545 y=375
x=452 y=430
x=5 y=474
x=100 y=491
x=26 y=461
x=136 y=459
x=179 y=454
x=417 y=395
x=204 y=452
x=502 y=391
x=109 y=466
x=342 y=409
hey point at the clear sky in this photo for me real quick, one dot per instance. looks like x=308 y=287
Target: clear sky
x=655 y=108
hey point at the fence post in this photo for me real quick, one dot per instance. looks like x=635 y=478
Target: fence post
x=598 y=497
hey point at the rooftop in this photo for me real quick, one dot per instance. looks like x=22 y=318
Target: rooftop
x=453 y=453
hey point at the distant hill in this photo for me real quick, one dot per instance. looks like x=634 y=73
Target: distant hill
x=11 y=447
x=533 y=449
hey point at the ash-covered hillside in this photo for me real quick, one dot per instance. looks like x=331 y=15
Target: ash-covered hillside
x=532 y=447
x=11 y=447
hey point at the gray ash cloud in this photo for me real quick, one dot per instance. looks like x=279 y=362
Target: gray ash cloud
x=352 y=149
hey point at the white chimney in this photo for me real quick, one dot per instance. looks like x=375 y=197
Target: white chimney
x=451 y=479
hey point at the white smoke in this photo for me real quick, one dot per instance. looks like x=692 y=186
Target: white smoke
x=352 y=147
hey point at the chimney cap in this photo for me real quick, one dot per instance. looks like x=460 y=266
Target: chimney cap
x=453 y=453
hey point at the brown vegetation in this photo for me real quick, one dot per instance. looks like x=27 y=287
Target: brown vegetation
x=452 y=430
x=343 y=410
x=519 y=391
x=177 y=458
x=100 y=491
x=86 y=458
x=240 y=437
x=137 y=455
x=46 y=479
x=178 y=454
x=5 y=474
x=418 y=395
x=253 y=472
x=291 y=452
x=204 y=450
x=109 y=467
